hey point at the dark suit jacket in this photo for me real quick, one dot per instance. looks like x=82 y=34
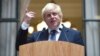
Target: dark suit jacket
x=67 y=35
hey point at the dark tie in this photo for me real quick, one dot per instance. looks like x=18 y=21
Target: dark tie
x=53 y=35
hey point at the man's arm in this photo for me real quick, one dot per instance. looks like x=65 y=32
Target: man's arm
x=78 y=39
x=21 y=38
x=23 y=31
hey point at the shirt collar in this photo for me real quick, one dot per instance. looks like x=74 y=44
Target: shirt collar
x=60 y=26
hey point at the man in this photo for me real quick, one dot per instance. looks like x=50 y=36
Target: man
x=52 y=15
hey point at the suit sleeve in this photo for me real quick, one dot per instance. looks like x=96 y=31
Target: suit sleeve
x=78 y=39
x=21 y=38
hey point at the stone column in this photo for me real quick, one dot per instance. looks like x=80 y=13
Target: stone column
x=8 y=29
x=92 y=28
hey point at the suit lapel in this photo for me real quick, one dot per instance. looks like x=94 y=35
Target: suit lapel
x=63 y=35
x=44 y=35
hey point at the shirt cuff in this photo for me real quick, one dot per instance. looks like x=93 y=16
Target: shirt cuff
x=24 y=26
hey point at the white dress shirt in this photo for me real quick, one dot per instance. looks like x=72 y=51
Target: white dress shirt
x=57 y=34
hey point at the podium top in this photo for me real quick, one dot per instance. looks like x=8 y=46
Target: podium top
x=51 y=42
x=51 y=48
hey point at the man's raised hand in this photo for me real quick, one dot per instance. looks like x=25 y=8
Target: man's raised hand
x=28 y=16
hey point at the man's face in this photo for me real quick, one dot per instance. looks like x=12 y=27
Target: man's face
x=52 y=19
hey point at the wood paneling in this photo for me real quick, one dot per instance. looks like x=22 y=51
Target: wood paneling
x=51 y=48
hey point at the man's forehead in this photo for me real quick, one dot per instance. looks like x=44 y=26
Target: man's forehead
x=51 y=11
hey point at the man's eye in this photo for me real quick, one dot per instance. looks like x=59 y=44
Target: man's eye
x=54 y=13
x=48 y=15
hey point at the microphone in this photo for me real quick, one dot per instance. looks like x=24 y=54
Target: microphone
x=64 y=34
x=40 y=33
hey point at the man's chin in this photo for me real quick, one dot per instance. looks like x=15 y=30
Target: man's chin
x=53 y=27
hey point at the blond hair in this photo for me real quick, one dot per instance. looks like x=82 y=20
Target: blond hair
x=50 y=6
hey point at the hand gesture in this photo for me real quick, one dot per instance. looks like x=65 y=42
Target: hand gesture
x=28 y=16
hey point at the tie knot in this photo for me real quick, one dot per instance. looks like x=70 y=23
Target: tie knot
x=53 y=31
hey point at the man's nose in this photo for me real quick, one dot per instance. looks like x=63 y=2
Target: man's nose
x=52 y=15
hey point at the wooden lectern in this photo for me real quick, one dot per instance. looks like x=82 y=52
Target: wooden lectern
x=51 y=48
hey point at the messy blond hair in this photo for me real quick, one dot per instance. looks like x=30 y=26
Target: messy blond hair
x=50 y=6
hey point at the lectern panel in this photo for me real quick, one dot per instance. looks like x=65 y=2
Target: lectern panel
x=51 y=48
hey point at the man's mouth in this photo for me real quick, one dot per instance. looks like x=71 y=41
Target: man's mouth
x=52 y=21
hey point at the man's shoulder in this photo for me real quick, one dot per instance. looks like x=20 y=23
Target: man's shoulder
x=71 y=30
x=35 y=34
x=39 y=32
